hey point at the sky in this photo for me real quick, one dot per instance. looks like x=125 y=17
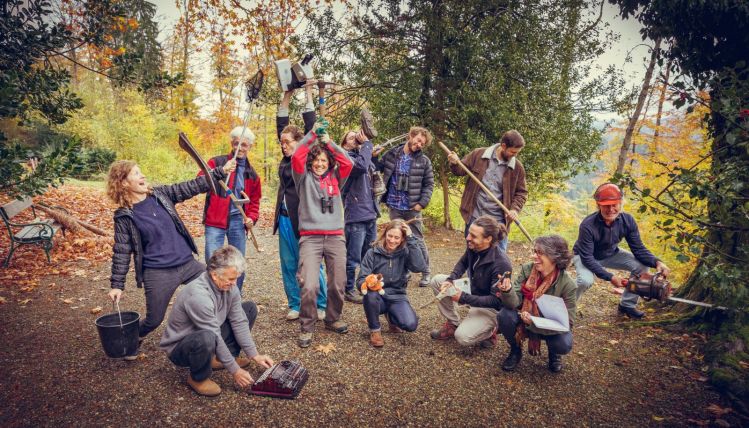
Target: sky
x=629 y=43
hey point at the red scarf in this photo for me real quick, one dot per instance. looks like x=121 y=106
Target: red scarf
x=533 y=288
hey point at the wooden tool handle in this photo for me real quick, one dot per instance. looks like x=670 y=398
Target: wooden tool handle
x=488 y=192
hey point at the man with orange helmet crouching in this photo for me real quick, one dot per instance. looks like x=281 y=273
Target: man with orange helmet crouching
x=597 y=247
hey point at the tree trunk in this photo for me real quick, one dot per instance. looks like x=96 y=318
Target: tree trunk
x=185 y=51
x=660 y=107
x=636 y=114
x=445 y=184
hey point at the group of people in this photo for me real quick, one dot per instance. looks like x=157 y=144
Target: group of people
x=326 y=210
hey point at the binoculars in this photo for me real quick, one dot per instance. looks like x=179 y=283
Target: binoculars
x=326 y=204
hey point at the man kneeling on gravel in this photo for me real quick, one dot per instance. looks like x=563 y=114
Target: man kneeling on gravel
x=484 y=263
x=209 y=325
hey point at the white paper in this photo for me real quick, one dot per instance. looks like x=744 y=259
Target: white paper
x=463 y=284
x=553 y=312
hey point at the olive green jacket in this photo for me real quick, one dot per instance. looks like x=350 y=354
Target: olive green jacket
x=564 y=287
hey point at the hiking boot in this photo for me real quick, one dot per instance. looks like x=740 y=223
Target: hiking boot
x=339 y=326
x=375 y=339
x=555 y=362
x=513 y=358
x=425 y=280
x=320 y=314
x=206 y=388
x=353 y=296
x=305 y=340
x=218 y=365
x=445 y=332
x=489 y=342
x=292 y=315
x=631 y=312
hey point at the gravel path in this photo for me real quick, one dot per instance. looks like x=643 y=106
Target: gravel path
x=53 y=371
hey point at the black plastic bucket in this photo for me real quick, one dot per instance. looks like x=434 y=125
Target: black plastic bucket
x=118 y=332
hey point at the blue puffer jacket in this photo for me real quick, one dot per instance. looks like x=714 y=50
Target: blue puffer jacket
x=358 y=200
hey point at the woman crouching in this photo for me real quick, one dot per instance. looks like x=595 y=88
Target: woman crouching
x=319 y=171
x=546 y=274
x=393 y=255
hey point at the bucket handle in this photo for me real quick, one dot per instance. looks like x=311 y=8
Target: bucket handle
x=118 y=311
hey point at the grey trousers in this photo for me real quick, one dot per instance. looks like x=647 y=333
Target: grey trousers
x=622 y=260
x=312 y=250
x=478 y=325
x=417 y=227
x=160 y=285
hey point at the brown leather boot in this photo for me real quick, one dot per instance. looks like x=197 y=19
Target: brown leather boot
x=445 y=332
x=207 y=388
x=375 y=339
x=217 y=365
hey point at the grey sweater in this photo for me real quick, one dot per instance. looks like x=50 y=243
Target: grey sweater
x=202 y=306
x=311 y=189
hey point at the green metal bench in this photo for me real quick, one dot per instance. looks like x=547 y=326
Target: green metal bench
x=38 y=231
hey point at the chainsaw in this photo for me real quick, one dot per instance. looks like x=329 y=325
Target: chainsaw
x=657 y=287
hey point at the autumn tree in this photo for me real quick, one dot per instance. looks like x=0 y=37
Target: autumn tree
x=708 y=51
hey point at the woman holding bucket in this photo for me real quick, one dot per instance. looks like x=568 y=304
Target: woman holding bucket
x=148 y=228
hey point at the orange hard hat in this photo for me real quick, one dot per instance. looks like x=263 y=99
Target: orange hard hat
x=608 y=194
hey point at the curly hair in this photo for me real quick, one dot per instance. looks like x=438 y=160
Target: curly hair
x=117 y=191
x=382 y=236
x=555 y=248
x=315 y=151
x=418 y=130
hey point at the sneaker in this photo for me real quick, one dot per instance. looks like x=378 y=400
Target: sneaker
x=513 y=358
x=425 y=280
x=339 y=326
x=555 y=362
x=376 y=340
x=305 y=340
x=207 y=388
x=490 y=342
x=353 y=296
x=631 y=312
x=134 y=356
x=292 y=315
x=445 y=332
x=218 y=365
x=320 y=314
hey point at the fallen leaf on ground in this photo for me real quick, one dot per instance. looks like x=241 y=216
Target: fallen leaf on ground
x=96 y=310
x=717 y=410
x=2 y=300
x=613 y=342
x=24 y=301
x=67 y=301
x=657 y=418
x=326 y=349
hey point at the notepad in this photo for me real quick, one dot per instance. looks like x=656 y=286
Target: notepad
x=553 y=312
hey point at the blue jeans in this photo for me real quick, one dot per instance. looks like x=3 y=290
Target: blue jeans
x=623 y=260
x=501 y=244
x=288 y=245
x=235 y=233
x=359 y=238
x=508 y=320
x=399 y=312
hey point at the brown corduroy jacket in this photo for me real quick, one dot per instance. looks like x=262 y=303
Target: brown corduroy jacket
x=514 y=192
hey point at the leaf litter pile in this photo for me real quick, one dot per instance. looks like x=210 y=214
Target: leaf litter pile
x=54 y=371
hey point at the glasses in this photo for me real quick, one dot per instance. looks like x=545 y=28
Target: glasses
x=538 y=252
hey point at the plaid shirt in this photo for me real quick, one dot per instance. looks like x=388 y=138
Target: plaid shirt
x=398 y=199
